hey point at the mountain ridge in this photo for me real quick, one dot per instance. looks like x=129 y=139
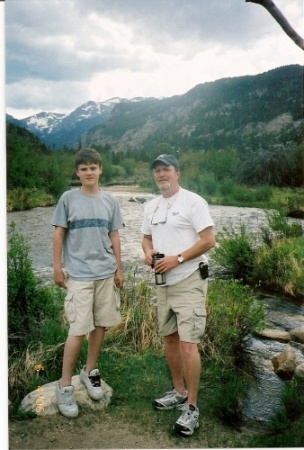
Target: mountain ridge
x=238 y=111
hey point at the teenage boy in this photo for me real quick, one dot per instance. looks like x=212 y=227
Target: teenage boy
x=86 y=222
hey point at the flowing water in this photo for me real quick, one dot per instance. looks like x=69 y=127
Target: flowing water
x=35 y=225
x=263 y=398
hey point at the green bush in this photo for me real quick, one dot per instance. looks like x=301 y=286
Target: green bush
x=278 y=265
x=235 y=254
x=232 y=313
x=29 y=304
x=281 y=267
x=278 y=223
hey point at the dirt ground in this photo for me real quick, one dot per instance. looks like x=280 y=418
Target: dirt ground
x=102 y=431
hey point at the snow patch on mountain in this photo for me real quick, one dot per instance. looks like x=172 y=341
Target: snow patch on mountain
x=58 y=130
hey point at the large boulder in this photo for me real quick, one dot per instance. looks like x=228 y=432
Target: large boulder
x=299 y=371
x=43 y=402
x=297 y=335
x=284 y=364
x=274 y=334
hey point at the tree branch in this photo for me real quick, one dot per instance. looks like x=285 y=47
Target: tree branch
x=278 y=16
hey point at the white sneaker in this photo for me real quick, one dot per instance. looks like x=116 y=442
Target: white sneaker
x=92 y=383
x=188 y=421
x=66 y=402
x=170 y=400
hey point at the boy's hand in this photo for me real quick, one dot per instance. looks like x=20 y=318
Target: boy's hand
x=60 y=278
x=119 y=278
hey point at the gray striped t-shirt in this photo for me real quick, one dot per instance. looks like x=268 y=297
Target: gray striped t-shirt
x=87 y=249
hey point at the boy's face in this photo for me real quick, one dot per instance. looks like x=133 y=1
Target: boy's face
x=89 y=174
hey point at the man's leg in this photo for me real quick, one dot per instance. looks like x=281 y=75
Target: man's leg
x=192 y=370
x=95 y=341
x=71 y=351
x=175 y=361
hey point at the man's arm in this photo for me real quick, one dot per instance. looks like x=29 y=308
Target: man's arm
x=147 y=247
x=115 y=240
x=58 y=238
x=206 y=242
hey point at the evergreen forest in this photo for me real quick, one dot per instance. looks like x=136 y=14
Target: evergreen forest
x=274 y=177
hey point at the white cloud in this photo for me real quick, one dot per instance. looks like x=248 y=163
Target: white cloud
x=61 y=54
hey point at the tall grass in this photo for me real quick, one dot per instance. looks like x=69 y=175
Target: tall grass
x=138 y=330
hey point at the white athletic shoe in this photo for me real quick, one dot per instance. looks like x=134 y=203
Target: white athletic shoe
x=92 y=383
x=66 y=402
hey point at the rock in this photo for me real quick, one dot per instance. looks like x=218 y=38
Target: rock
x=137 y=199
x=299 y=371
x=277 y=335
x=297 y=335
x=43 y=402
x=296 y=214
x=284 y=364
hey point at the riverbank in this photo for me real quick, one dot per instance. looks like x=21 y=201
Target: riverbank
x=288 y=200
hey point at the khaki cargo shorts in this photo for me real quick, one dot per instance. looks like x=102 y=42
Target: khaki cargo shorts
x=181 y=308
x=90 y=304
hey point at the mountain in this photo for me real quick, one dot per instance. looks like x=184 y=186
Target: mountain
x=248 y=112
x=59 y=130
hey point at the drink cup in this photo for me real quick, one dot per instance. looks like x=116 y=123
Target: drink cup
x=160 y=278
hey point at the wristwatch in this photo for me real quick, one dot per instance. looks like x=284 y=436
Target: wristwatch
x=180 y=259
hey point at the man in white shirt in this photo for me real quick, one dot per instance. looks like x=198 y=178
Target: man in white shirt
x=178 y=224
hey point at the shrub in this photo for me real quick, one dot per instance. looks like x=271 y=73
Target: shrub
x=278 y=223
x=235 y=254
x=232 y=313
x=29 y=304
x=281 y=267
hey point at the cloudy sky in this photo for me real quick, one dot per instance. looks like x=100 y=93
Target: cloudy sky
x=63 y=53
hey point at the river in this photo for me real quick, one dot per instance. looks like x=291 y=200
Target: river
x=35 y=225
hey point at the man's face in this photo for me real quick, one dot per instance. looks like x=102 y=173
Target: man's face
x=88 y=174
x=166 y=177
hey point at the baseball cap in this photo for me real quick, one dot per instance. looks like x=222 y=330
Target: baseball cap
x=168 y=160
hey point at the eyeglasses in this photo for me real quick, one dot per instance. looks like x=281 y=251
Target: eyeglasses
x=160 y=215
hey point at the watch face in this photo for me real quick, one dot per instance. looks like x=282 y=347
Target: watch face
x=180 y=258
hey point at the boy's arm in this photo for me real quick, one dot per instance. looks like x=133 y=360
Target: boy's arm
x=115 y=240
x=58 y=238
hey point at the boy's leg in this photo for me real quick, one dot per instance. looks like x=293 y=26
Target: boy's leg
x=95 y=341
x=71 y=351
x=89 y=375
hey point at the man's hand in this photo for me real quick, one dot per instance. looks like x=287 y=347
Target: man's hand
x=165 y=264
x=148 y=256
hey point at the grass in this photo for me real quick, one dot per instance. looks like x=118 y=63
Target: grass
x=139 y=378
